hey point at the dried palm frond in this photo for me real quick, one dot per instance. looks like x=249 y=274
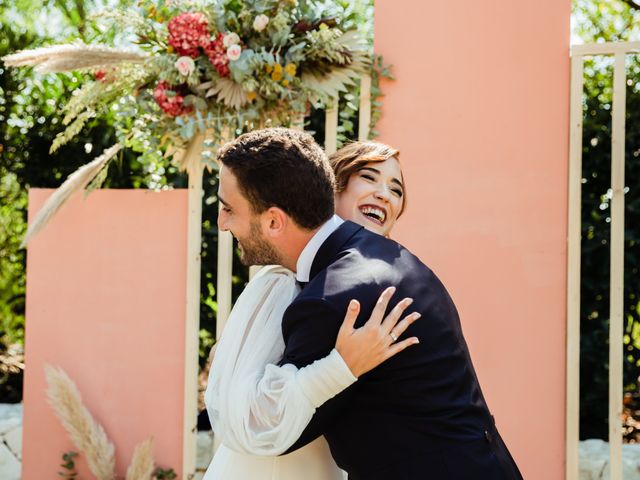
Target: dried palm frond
x=358 y=49
x=141 y=467
x=174 y=152
x=228 y=92
x=190 y=158
x=335 y=81
x=331 y=84
x=67 y=58
x=78 y=180
x=86 y=434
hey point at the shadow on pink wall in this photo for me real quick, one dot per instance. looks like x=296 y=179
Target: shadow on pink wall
x=105 y=282
x=479 y=112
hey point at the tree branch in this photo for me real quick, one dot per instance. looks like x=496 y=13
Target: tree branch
x=632 y=4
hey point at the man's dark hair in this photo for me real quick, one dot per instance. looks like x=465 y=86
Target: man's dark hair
x=280 y=167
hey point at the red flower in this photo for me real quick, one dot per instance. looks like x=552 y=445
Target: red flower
x=217 y=53
x=171 y=105
x=99 y=75
x=188 y=32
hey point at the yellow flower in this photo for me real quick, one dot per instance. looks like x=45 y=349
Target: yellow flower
x=285 y=83
x=290 y=69
x=277 y=73
x=169 y=49
x=323 y=26
x=268 y=68
x=251 y=96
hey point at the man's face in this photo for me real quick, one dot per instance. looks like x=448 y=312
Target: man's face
x=237 y=217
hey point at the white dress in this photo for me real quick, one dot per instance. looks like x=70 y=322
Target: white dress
x=258 y=409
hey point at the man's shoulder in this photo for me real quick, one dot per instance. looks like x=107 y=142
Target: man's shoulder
x=367 y=262
x=378 y=254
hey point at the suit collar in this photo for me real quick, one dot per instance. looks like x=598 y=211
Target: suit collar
x=303 y=266
x=332 y=245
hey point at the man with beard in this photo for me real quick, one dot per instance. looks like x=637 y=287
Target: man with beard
x=421 y=414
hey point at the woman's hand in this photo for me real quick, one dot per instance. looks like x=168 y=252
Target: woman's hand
x=367 y=347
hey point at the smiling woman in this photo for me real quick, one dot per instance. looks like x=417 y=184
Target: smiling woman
x=369 y=185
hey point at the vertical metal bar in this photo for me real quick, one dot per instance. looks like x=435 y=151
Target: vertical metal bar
x=616 y=308
x=225 y=263
x=572 y=433
x=364 y=114
x=331 y=127
x=225 y=275
x=192 y=314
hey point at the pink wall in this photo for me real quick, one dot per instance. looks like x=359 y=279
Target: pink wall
x=105 y=282
x=479 y=111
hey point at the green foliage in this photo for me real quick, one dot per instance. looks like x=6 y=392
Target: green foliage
x=69 y=466
x=13 y=202
x=162 y=474
x=610 y=21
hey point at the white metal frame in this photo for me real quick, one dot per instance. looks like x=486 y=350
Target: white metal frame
x=619 y=51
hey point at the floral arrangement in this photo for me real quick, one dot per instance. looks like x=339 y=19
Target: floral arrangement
x=216 y=67
x=227 y=64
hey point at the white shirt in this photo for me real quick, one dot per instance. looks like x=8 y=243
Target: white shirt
x=305 y=260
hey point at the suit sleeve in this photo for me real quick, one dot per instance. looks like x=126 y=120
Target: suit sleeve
x=310 y=328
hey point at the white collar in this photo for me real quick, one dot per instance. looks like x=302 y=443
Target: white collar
x=303 y=266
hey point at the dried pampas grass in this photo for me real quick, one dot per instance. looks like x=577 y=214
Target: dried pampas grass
x=67 y=58
x=78 y=180
x=86 y=434
x=142 y=464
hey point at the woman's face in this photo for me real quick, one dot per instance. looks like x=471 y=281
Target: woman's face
x=373 y=196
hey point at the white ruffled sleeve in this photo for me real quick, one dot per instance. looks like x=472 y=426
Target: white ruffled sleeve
x=255 y=406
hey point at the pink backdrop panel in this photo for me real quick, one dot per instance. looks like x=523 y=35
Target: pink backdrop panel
x=479 y=112
x=106 y=302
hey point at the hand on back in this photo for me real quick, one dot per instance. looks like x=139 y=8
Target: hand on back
x=367 y=347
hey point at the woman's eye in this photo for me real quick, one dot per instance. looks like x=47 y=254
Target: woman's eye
x=226 y=209
x=366 y=176
x=397 y=191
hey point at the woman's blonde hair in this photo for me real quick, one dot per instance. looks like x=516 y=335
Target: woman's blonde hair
x=355 y=155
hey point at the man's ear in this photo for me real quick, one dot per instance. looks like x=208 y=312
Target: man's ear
x=275 y=221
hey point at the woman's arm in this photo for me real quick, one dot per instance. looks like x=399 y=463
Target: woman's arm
x=259 y=408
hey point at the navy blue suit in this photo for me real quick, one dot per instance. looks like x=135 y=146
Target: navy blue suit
x=419 y=415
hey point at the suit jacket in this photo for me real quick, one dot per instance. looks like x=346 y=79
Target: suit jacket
x=421 y=414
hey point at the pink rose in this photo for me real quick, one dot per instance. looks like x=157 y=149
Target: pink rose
x=230 y=39
x=260 y=23
x=233 y=52
x=185 y=65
